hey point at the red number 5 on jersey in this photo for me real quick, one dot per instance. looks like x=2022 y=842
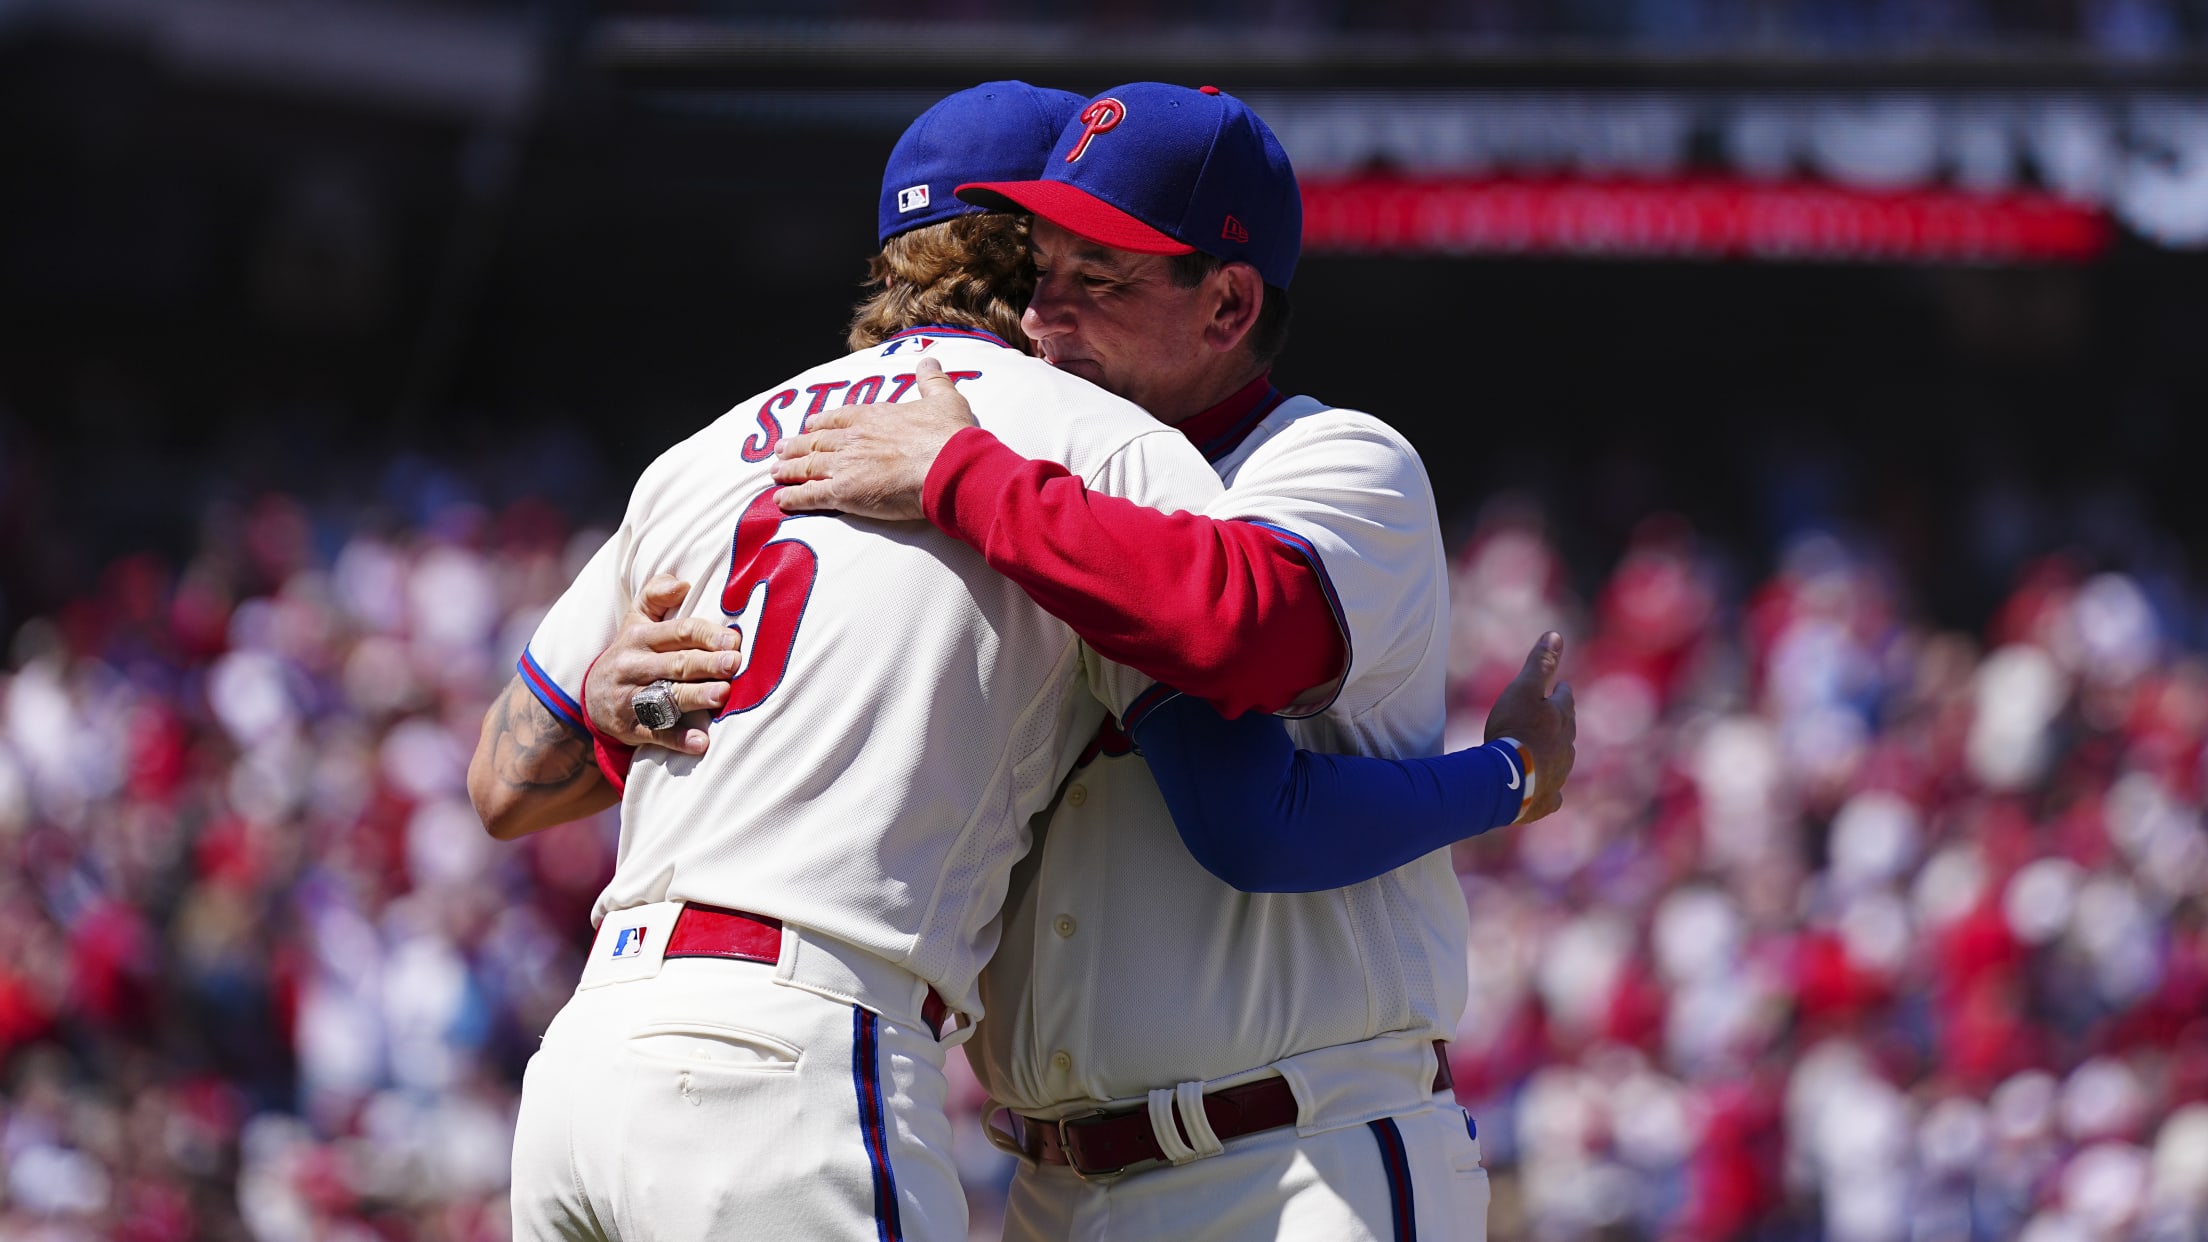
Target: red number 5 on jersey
x=787 y=569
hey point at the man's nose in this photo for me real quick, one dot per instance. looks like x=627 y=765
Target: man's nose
x=1044 y=316
x=1049 y=308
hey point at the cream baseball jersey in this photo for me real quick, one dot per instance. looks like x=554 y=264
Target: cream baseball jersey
x=901 y=709
x=1126 y=967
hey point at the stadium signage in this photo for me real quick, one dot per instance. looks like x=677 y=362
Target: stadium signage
x=1874 y=176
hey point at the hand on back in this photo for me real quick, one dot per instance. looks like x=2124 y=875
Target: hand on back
x=872 y=460
x=696 y=654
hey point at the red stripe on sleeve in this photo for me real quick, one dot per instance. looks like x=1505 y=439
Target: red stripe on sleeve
x=1222 y=610
x=613 y=757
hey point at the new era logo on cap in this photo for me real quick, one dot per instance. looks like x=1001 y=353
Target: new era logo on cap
x=1234 y=232
x=912 y=198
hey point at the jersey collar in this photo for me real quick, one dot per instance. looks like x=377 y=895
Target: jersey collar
x=1221 y=429
x=949 y=330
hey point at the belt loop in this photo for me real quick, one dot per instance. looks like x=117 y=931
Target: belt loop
x=1169 y=1135
x=1008 y=1139
x=1189 y=1096
x=785 y=962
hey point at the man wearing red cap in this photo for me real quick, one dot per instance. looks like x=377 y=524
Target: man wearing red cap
x=1182 y=1059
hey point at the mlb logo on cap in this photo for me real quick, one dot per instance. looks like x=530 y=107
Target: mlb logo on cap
x=1162 y=169
x=630 y=943
x=984 y=133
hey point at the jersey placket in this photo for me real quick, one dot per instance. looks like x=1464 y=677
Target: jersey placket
x=1070 y=940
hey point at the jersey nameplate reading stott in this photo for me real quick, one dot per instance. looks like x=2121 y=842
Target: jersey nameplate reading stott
x=900 y=708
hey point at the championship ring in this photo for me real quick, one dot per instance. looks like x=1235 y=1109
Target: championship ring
x=654 y=706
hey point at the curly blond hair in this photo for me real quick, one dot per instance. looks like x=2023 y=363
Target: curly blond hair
x=972 y=271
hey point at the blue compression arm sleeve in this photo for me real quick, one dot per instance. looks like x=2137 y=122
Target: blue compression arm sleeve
x=1268 y=818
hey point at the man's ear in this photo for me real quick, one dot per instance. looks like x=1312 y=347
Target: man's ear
x=1237 y=295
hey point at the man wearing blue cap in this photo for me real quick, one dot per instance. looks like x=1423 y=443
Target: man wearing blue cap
x=799 y=910
x=871 y=924
x=1182 y=1059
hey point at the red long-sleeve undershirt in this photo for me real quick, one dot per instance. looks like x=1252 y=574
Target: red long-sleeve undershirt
x=1223 y=610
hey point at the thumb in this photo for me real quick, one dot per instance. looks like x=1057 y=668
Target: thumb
x=1543 y=661
x=661 y=595
x=930 y=379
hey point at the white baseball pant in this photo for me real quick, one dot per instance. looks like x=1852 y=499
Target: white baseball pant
x=1415 y=1177
x=710 y=1101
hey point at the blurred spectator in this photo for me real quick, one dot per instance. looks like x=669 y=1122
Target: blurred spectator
x=261 y=973
x=1851 y=930
x=1847 y=930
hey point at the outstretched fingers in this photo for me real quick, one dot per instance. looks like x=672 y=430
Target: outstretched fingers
x=831 y=420
x=809 y=464
x=701 y=696
x=688 y=634
x=810 y=442
x=688 y=735
x=806 y=497
x=661 y=595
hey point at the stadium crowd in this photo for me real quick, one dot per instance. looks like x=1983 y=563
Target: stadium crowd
x=1850 y=929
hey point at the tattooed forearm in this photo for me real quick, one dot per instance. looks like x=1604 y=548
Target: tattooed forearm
x=534 y=749
x=531 y=771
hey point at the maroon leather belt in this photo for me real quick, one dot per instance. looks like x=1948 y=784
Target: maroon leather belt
x=710 y=931
x=1107 y=1142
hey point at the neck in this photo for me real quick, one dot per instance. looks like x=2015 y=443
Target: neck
x=1208 y=391
x=1216 y=432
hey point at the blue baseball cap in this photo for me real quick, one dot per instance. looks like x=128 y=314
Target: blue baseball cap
x=996 y=129
x=1164 y=169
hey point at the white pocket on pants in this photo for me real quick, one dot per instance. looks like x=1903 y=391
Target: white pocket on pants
x=705 y=1045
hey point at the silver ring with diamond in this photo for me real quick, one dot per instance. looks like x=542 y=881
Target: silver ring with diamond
x=654 y=706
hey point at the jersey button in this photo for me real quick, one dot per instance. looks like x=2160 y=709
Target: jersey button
x=1076 y=794
x=1061 y=1061
x=1063 y=925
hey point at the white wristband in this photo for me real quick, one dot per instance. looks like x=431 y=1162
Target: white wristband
x=1521 y=765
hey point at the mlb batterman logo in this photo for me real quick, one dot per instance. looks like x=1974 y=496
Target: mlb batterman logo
x=630 y=943
x=912 y=198
x=1100 y=117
